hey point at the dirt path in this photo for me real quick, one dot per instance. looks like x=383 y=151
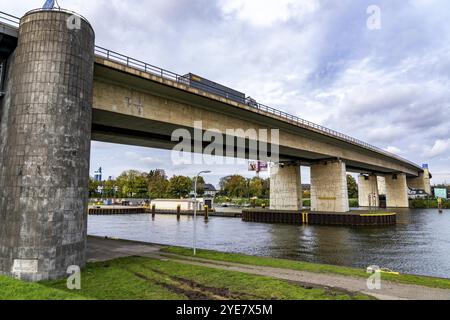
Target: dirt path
x=105 y=249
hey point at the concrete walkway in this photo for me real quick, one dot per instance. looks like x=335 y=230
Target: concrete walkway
x=106 y=249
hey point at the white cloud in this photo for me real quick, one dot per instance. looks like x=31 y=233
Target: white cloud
x=139 y=159
x=393 y=149
x=264 y=13
x=439 y=148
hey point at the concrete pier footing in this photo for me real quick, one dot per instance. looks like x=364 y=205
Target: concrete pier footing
x=285 y=187
x=421 y=182
x=329 y=187
x=396 y=191
x=368 y=195
x=45 y=147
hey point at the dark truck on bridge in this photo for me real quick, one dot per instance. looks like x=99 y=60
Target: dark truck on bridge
x=213 y=87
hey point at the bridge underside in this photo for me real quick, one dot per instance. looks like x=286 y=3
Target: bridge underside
x=124 y=129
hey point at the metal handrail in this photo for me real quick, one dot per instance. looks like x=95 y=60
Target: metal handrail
x=9 y=18
x=169 y=75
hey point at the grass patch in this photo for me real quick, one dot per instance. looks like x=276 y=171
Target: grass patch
x=139 y=278
x=12 y=289
x=311 y=267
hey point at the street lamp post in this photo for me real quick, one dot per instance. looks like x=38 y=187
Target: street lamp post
x=194 y=244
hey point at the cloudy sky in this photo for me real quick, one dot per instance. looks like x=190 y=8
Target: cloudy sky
x=316 y=59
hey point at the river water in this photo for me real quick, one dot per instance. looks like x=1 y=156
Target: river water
x=418 y=244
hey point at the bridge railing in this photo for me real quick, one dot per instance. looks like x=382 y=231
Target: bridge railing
x=166 y=74
x=9 y=19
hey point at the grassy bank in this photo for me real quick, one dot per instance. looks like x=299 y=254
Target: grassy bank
x=141 y=278
x=311 y=267
x=425 y=204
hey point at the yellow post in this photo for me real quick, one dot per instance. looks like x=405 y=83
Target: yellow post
x=206 y=212
x=439 y=201
x=305 y=217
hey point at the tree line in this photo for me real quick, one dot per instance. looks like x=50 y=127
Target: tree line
x=156 y=185
x=142 y=185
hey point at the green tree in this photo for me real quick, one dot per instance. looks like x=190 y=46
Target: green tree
x=157 y=184
x=200 y=185
x=93 y=188
x=234 y=186
x=179 y=186
x=108 y=188
x=256 y=187
x=141 y=186
x=132 y=184
x=352 y=187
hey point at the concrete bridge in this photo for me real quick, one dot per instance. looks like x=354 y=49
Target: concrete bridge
x=59 y=91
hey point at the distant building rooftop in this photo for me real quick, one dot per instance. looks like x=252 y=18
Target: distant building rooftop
x=209 y=187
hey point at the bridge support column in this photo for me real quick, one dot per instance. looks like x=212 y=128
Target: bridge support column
x=396 y=191
x=381 y=181
x=329 y=187
x=45 y=147
x=368 y=191
x=423 y=182
x=285 y=187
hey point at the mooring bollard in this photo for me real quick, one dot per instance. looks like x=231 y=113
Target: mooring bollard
x=178 y=212
x=206 y=212
x=153 y=211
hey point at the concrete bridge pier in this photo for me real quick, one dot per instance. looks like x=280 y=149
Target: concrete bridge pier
x=423 y=181
x=285 y=187
x=368 y=195
x=329 y=187
x=396 y=191
x=45 y=147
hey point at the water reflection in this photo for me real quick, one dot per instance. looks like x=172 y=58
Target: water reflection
x=420 y=243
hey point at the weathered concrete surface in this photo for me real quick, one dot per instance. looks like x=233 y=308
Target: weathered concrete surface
x=423 y=181
x=329 y=187
x=396 y=191
x=368 y=191
x=381 y=181
x=45 y=148
x=140 y=108
x=285 y=187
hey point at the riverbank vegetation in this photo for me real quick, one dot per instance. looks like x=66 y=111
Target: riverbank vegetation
x=311 y=267
x=139 y=278
x=233 y=189
x=155 y=184
x=428 y=204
